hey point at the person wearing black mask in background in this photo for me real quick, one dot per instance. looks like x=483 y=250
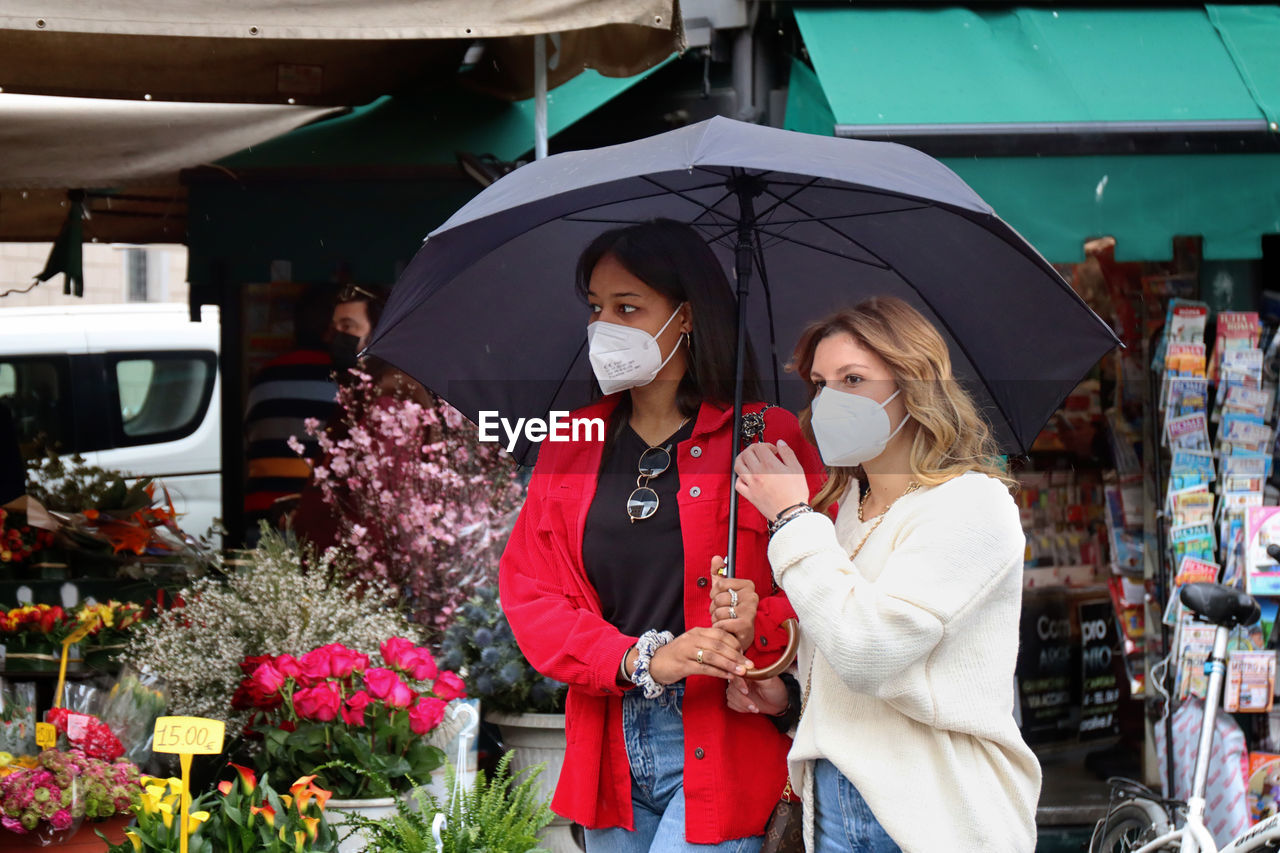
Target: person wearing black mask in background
x=354 y=317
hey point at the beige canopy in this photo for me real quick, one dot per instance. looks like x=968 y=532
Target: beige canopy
x=316 y=51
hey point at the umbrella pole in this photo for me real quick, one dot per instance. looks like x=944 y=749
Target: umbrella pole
x=747 y=187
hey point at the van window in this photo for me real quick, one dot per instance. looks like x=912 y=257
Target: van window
x=37 y=390
x=162 y=396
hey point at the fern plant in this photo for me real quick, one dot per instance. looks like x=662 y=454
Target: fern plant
x=502 y=814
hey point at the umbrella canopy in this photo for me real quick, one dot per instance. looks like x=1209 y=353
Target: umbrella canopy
x=486 y=314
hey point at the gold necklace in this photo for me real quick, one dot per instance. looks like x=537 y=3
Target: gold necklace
x=862 y=502
x=911 y=487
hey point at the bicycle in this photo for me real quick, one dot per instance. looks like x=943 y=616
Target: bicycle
x=1143 y=821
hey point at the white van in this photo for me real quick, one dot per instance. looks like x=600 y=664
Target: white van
x=132 y=388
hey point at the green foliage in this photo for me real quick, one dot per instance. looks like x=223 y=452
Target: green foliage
x=480 y=646
x=498 y=815
x=72 y=485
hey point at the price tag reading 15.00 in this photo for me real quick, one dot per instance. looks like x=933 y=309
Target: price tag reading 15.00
x=188 y=735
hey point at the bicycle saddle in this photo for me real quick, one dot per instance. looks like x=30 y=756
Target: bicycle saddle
x=1221 y=605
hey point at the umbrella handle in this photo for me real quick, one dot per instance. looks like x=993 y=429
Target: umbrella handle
x=788 y=654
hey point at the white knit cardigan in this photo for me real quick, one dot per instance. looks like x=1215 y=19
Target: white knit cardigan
x=913 y=679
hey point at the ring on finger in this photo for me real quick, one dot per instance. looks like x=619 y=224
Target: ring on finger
x=733 y=613
x=699 y=655
x=733 y=598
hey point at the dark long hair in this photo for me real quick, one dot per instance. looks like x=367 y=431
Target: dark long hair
x=674 y=260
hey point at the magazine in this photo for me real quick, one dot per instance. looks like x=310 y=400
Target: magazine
x=1190 y=432
x=1251 y=680
x=1235 y=330
x=1262 y=528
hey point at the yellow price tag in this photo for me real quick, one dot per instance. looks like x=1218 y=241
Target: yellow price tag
x=46 y=735
x=188 y=736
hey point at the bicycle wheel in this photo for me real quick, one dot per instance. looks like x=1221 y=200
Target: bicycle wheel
x=1128 y=826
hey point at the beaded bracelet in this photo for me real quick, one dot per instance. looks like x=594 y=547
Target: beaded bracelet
x=775 y=526
x=646 y=646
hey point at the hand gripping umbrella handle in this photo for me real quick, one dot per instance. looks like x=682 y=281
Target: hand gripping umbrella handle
x=788 y=654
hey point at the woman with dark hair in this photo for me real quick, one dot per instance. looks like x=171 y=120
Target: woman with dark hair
x=609 y=580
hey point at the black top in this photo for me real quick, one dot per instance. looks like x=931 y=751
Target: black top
x=637 y=567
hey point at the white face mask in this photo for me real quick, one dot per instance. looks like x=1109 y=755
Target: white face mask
x=851 y=429
x=623 y=357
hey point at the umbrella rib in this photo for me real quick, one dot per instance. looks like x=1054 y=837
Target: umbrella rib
x=959 y=342
x=681 y=194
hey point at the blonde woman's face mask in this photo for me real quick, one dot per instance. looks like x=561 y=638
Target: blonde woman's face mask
x=858 y=408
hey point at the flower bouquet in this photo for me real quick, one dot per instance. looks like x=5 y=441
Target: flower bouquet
x=107 y=525
x=110 y=628
x=420 y=502
x=244 y=816
x=17 y=720
x=32 y=636
x=19 y=541
x=49 y=800
x=331 y=713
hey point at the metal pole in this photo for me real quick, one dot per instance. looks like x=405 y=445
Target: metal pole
x=747 y=188
x=539 y=96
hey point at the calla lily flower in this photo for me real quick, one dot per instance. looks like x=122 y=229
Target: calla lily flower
x=247 y=777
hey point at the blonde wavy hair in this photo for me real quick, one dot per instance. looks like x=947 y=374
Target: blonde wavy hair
x=952 y=438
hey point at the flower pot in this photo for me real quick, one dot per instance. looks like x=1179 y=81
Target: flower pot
x=353 y=841
x=81 y=840
x=539 y=739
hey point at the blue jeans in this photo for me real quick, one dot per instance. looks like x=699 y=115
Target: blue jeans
x=842 y=820
x=654 y=733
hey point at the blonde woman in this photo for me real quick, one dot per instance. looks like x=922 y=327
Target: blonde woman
x=908 y=602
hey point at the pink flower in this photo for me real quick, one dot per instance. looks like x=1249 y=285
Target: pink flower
x=61 y=819
x=267 y=679
x=353 y=710
x=403 y=655
x=426 y=714
x=287 y=665
x=449 y=686
x=386 y=685
x=321 y=702
x=315 y=664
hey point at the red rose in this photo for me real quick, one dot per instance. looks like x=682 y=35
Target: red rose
x=403 y=655
x=267 y=679
x=386 y=685
x=344 y=661
x=426 y=714
x=288 y=666
x=449 y=686
x=353 y=710
x=252 y=662
x=315 y=664
x=321 y=702
x=395 y=652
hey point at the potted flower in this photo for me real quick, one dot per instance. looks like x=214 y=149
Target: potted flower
x=46 y=803
x=498 y=814
x=244 y=815
x=526 y=706
x=362 y=729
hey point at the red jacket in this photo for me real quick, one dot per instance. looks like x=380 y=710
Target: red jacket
x=735 y=764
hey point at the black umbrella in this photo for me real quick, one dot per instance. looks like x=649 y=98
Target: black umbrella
x=487 y=317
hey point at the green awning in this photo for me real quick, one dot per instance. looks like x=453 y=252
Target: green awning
x=430 y=129
x=1252 y=35
x=905 y=71
x=931 y=66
